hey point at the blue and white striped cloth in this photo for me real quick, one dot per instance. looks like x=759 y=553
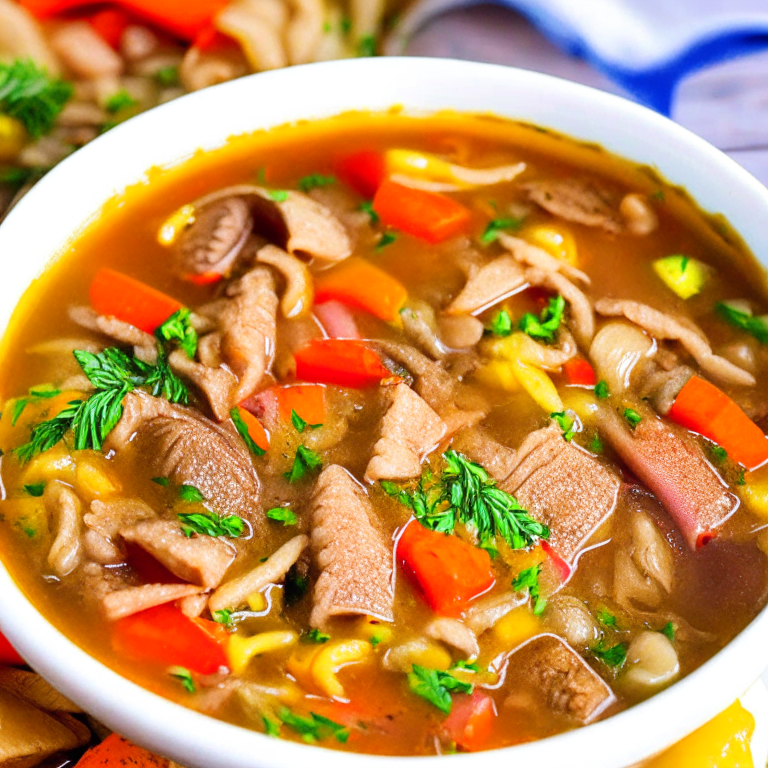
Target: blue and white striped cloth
x=646 y=46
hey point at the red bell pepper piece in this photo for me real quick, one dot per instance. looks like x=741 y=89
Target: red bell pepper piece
x=470 y=723
x=703 y=408
x=110 y=24
x=164 y=635
x=449 y=571
x=363 y=171
x=580 y=372
x=427 y=215
x=9 y=656
x=343 y=362
x=117 y=295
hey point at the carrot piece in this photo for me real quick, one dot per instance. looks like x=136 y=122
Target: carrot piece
x=164 y=635
x=427 y=215
x=471 y=720
x=703 y=408
x=308 y=400
x=9 y=656
x=117 y=295
x=363 y=171
x=579 y=371
x=110 y=24
x=117 y=752
x=255 y=428
x=561 y=566
x=343 y=362
x=449 y=571
x=361 y=284
x=210 y=39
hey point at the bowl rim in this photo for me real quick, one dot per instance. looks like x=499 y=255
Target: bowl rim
x=195 y=739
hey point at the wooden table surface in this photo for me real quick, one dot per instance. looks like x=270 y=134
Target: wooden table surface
x=726 y=104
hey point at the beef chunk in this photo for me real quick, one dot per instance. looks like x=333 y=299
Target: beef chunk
x=126 y=602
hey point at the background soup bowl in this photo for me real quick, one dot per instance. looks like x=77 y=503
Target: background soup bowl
x=72 y=194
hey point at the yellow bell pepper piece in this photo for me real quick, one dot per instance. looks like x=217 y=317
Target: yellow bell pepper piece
x=498 y=373
x=331 y=659
x=173 y=226
x=240 y=650
x=257 y=602
x=516 y=627
x=299 y=663
x=420 y=164
x=92 y=478
x=538 y=385
x=56 y=463
x=723 y=742
x=754 y=493
x=13 y=137
x=557 y=241
x=373 y=630
x=681 y=274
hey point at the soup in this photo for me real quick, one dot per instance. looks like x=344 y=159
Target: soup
x=395 y=435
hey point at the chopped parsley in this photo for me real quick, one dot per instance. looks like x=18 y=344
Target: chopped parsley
x=387 y=238
x=271 y=728
x=545 y=326
x=601 y=390
x=35 y=489
x=164 y=481
x=374 y=640
x=18 y=409
x=436 y=687
x=499 y=225
x=300 y=424
x=719 y=454
x=465 y=493
x=282 y=514
x=242 y=430
x=296 y=586
x=367 y=206
x=306 y=460
x=184 y=676
x=315 y=636
x=613 y=656
x=501 y=324
x=606 y=618
x=178 y=327
x=741 y=479
x=278 y=195
x=528 y=579
x=669 y=631
x=167 y=76
x=315 y=180
x=596 y=443
x=314 y=727
x=224 y=616
x=119 y=101
x=31 y=96
x=211 y=524
x=632 y=417
x=366 y=46
x=45 y=392
x=566 y=422
x=755 y=326
x=190 y=493
x=470 y=666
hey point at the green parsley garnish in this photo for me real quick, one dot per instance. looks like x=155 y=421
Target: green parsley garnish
x=545 y=326
x=470 y=666
x=278 y=195
x=44 y=392
x=164 y=481
x=178 y=327
x=113 y=375
x=315 y=180
x=374 y=640
x=295 y=588
x=242 y=430
x=18 y=409
x=211 y=524
x=345 y=25
x=119 y=101
x=501 y=325
x=529 y=579
x=756 y=326
x=613 y=656
x=299 y=424
x=387 y=238
x=606 y=618
x=184 y=676
x=633 y=417
x=315 y=636
x=741 y=479
x=601 y=390
x=190 y=493
x=282 y=514
x=466 y=494
x=305 y=461
x=224 y=616
x=596 y=444
x=271 y=728
x=35 y=489
x=31 y=96
x=669 y=631
x=314 y=727
x=167 y=76
x=436 y=687
x=566 y=422
x=499 y=225
x=719 y=454
x=366 y=46
x=367 y=206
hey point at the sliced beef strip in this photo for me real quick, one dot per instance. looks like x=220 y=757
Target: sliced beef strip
x=180 y=443
x=490 y=283
x=144 y=344
x=354 y=561
x=563 y=486
x=63 y=505
x=410 y=429
x=125 y=602
x=105 y=520
x=557 y=674
x=674 y=468
x=201 y=560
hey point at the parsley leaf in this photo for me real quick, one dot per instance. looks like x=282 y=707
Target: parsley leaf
x=18 y=409
x=566 y=422
x=242 y=429
x=184 y=676
x=387 y=238
x=299 y=424
x=211 y=524
x=315 y=180
x=31 y=96
x=314 y=727
x=164 y=481
x=669 y=631
x=35 y=489
x=315 y=636
x=296 y=586
x=436 y=687
x=741 y=479
x=271 y=728
x=178 y=327
x=167 y=76
x=613 y=656
x=719 y=454
x=119 y=101
x=366 y=46
x=606 y=618
x=305 y=461
x=471 y=666
x=278 y=195
x=501 y=325
x=601 y=390
x=529 y=579
x=596 y=444
x=545 y=326
x=44 y=392
x=190 y=493
x=633 y=417
x=282 y=514
x=756 y=326
x=498 y=225
x=367 y=206
x=224 y=616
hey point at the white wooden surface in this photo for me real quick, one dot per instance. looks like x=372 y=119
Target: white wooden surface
x=727 y=104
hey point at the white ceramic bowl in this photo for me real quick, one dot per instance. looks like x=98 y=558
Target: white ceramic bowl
x=73 y=193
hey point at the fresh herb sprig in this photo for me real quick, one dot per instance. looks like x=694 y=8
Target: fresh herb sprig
x=313 y=727
x=528 y=579
x=613 y=655
x=244 y=432
x=499 y=225
x=211 y=524
x=284 y=515
x=305 y=461
x=436 y=687
x=755 y=326
x=501 y=324
x=314 y=181
x=178 y=327
x=544 y=327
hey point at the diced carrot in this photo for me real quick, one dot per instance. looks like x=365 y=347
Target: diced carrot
x=210 y=39
x=117 y=295
x=255 y=428
x=207 y=278
x=361 y=284
x=703 y=408
x=343 y=362
x=363 y=171
x=117 y=752
x=110 y=23
x=164 y=635
x=449 y=571
x=579 y=371
x=470 y=723
x=8 y=654
x=308 y=400
x=427 y=215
